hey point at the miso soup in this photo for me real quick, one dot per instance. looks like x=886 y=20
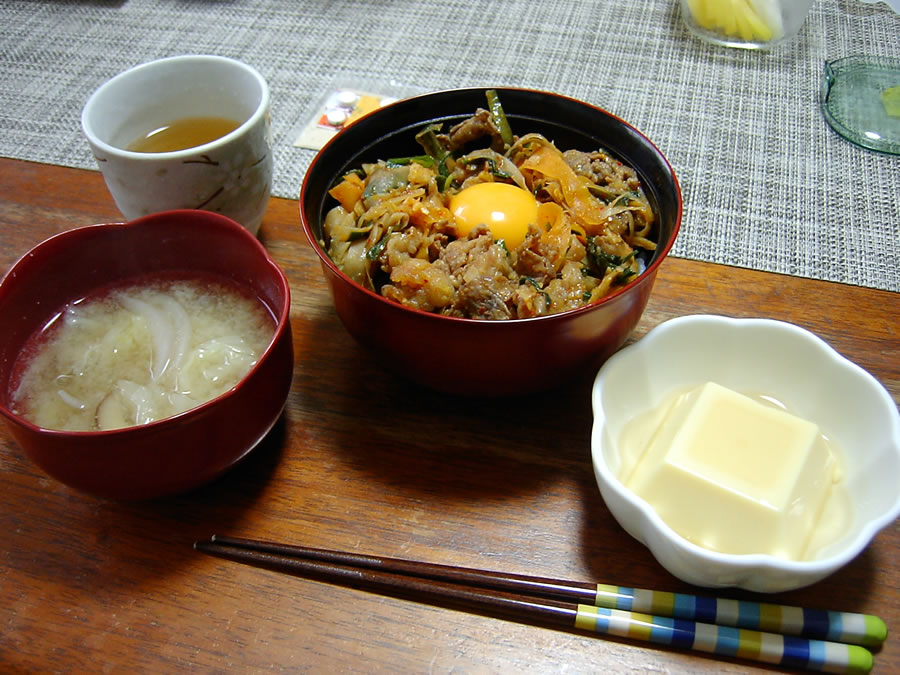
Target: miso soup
x=139 y=352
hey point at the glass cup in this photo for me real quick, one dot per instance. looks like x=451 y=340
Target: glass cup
x=751 y=24
x=231 y=174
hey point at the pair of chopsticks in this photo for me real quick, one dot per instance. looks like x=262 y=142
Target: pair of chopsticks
x=781 y=635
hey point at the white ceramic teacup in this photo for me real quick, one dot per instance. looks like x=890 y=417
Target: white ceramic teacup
x=231 y=175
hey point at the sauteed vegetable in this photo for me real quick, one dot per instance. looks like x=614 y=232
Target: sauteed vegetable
x=489 y=225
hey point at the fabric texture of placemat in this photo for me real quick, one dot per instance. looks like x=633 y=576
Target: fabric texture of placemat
x=767 y=184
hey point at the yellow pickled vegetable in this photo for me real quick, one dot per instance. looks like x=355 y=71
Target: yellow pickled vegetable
x=746 y=20
x=890 y=97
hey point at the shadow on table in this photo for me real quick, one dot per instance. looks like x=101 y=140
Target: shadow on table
x=94 y=540
x=431 y=444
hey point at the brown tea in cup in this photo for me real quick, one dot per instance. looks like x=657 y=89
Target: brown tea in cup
x=187 y=132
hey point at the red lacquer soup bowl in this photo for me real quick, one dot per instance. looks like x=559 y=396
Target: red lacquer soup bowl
x=186 y=450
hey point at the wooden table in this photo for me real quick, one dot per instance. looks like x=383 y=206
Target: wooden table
x=365 y=462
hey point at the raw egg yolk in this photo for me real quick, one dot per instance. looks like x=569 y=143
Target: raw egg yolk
x=506 y=209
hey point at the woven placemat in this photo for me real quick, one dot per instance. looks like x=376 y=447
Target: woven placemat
x=767 y=184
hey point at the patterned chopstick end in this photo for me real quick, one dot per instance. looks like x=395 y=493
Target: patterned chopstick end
x=740 y=643
x=860 y=629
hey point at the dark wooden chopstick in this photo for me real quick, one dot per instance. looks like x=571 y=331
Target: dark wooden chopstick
x=554 y=602
x=396 y=585
x=514 y=583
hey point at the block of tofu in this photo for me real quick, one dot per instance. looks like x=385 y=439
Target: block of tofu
x=736 y=475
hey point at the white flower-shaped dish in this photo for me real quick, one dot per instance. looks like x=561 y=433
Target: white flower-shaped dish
x=751 y=355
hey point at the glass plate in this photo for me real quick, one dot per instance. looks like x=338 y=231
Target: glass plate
x=860 y=98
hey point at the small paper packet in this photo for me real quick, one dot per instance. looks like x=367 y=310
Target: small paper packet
x=343 y=104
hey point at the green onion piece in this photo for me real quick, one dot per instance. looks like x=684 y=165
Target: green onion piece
x=425 y=160
x=492 y=166
x=531 y=281
x=358 y=233
x=495 y=171
x=499 y=117
x=444 y=181
x=599 y=260
x=375 y=251
x=428 y=139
